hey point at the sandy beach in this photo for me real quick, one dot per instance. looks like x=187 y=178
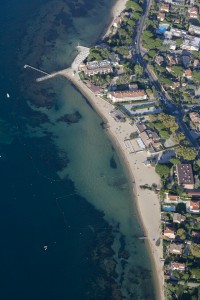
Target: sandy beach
x=148 y=203
x=116 y=11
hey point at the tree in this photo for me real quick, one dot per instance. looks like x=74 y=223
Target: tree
x=152 y=53
x=181 y=208
x=178 y=137
x=123 y=50
x=168 y=121
x=181 y=233
x=133 y=5
x=134 y=135
x=177 y=70
x=195 y=272
x=162 y=170
x=164 y=134
x=195 y=250
x=123 y=79
x=179 y=42
x=128 y=67
x=187 y=153
x=165 y=80
x=98 y=54
x=175 y=161
x=196 y=54
x=197 y=162
x=196 y=76
x=138 y=70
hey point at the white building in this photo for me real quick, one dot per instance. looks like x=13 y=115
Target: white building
x=194 y=29
x=126 y=96
x=191 y=43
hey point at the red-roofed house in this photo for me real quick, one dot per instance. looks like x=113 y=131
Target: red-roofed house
x=193 y=207
x=188 y=74
x=161 y=16
x=177 y=266
x=171 y=198
x=169 y=233
x=164 y=7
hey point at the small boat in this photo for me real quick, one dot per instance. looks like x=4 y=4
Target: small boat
x=45 y=248
x=7 y=95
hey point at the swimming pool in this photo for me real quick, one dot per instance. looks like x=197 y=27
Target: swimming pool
x=162 y=28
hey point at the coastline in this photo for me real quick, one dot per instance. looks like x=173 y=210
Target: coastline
x=118 y=7
x=147 y=202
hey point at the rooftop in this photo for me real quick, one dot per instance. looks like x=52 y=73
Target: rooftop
x=130 y=94
x=185 y=174
x=195 y=205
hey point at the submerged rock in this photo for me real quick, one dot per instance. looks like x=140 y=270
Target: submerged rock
x=70 y=118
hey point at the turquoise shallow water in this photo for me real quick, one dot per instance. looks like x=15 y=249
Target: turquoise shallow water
x=63 y=184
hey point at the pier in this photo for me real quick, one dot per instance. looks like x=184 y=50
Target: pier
x=35 y=69
x=83 y=53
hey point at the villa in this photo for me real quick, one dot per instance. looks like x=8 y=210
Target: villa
x=188 y=74
x=164 y=7
x=178 y=218
x=96 y=67
x=161 y=17
x=194 y=29
x=175 y=85
x=193 y=207
x=193 y=12
x=169 y=233
x=185 y=175
x=177 y=266
x=195 y=118
x=191 y=43
x=176 y=248
x=171 y=198
x=126 y=96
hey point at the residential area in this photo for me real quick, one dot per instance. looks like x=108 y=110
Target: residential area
x=165 y=116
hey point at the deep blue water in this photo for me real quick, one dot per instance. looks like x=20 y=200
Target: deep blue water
x=38 y=207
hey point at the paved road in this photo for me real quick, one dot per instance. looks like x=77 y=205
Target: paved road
x=164 y=98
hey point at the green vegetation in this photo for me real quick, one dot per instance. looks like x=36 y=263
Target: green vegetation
x=150 y=40
x=181 y=233
x=162 y=170
x=175 y=161
x=134 y=135
x=186 y=153
x=177 y=70
x=196 y=76
x=138 y=70
x=133 y=6
x=195 y=250
x=98 y=54
x=178 y=137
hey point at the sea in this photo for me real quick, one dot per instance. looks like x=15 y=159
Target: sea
x=68 y=219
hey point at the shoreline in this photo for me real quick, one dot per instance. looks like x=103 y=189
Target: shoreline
x=146 y=202
x=118 y=7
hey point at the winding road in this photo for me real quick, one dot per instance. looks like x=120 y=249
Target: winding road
x=164 y=98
